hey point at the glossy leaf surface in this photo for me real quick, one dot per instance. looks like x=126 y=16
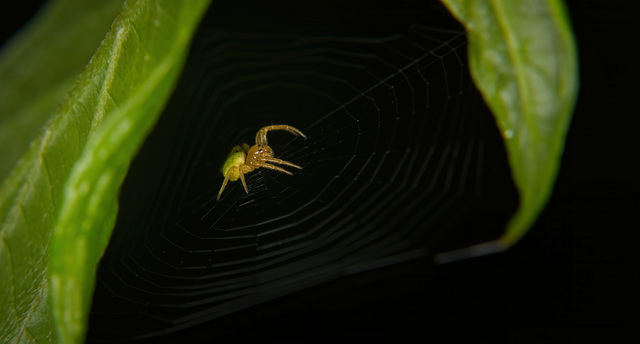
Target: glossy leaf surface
x=523 y=59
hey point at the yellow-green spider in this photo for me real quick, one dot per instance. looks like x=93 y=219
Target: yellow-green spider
x=243 y=159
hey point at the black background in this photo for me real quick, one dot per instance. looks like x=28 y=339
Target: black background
x=573 y=278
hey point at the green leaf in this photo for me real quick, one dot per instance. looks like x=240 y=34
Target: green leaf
x=58 y=206
x=523 y=59
x=37 y=68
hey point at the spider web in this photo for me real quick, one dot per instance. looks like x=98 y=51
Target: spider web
x=395 y=160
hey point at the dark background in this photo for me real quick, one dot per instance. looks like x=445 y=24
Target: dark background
x=573 y=278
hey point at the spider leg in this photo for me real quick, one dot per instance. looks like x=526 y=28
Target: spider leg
x=272 y=167
x=246 y=147
x=243 y=182
x=261 y=135
x=280 y=162
x=242 y=170
x=224 y=184
x=236 y=149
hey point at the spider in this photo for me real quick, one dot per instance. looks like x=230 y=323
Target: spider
x=243 y=159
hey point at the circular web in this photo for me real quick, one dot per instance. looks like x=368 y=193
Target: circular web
x=395 y=156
